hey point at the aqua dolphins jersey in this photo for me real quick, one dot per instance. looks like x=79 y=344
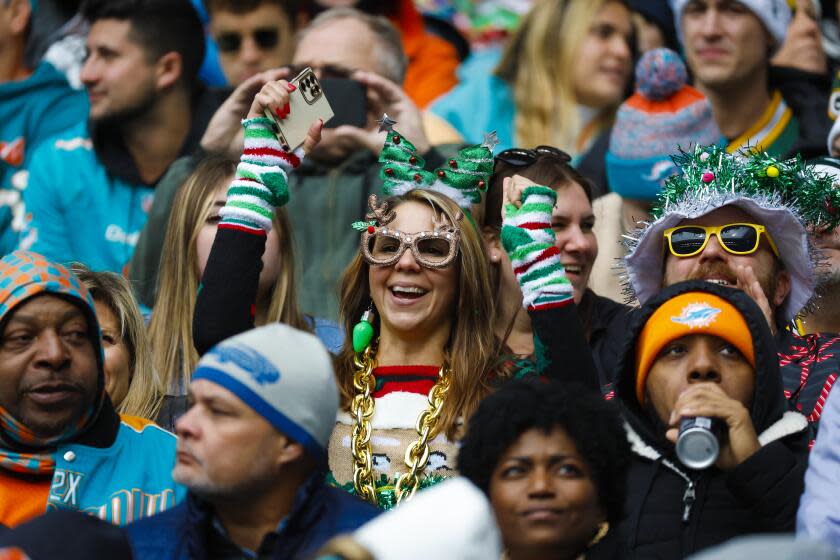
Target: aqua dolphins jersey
x=31 y=111
x=127 y=481
x=78 y=211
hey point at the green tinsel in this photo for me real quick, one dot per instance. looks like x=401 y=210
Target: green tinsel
x=385 y=489
x=789 y=182
x=469 y=172
x=401 y=164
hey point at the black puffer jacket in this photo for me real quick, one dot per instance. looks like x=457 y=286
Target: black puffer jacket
x=673 y=511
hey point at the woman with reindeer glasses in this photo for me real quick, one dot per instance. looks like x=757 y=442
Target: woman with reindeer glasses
x=420 y=349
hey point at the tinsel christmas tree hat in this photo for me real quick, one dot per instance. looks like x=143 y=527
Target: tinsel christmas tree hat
x=463 y=180
x=786 y=197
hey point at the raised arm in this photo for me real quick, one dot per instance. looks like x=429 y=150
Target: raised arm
x=225 y=305
x=546 y=291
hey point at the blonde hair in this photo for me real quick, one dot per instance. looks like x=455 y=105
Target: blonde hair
x=145 y=391
x=537 y=62
x=170 y=330
x=473 y=351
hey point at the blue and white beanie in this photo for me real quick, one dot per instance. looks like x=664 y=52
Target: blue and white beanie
x=285 y=375
x=663 y=115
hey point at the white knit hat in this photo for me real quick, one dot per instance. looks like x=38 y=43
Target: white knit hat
x=285 y=375
x=774 y=14
x=452 y=519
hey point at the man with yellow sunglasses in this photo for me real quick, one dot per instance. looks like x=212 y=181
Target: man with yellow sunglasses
x=741 y=221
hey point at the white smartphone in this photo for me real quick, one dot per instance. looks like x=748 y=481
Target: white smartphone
x=306 y=105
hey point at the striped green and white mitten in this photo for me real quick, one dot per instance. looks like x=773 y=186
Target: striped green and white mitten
x=529 y=241
x=260 y=185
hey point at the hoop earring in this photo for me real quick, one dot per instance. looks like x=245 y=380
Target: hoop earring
x=603 y=529
x=363 y=330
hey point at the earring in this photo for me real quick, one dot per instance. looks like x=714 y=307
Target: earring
x=363 y=330
x=603 y=529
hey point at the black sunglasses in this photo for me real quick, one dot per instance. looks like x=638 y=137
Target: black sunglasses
x=521 y=157
x=231 y=41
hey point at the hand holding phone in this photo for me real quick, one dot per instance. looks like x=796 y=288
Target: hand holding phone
x=307 y=103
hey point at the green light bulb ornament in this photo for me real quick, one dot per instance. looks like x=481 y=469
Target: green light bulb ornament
x=363 y=332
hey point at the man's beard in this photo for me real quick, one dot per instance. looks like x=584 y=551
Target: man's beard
x=767 y=282
x=127 y=115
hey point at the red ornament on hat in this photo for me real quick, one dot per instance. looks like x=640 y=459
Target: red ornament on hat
x=417 y=177
x=412 y=160
x=441 y=173
x=389 y=171
x=453 y=164
x=371 y=230
x=708 y=177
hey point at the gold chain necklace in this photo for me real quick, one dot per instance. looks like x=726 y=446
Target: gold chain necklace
x=362 y=407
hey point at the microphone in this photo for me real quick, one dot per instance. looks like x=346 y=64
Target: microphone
x=697 y=442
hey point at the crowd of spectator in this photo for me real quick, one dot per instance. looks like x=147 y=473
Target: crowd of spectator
x=557 y=279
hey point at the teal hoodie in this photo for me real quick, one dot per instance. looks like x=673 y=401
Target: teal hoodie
x=31 y=111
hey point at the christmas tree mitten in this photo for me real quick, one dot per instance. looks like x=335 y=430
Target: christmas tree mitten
x=529 y=241
x=260 y=185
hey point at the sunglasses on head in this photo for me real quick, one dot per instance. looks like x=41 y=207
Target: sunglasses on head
x=231 y=41
x=738 y=239
x=431 y=249
x=521 y=157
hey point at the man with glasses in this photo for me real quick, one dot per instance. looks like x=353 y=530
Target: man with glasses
x=252 y=35
x=741 y=221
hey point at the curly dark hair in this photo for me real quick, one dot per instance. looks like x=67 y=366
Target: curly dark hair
x=518 y=406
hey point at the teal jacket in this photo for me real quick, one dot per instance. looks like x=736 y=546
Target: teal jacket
x=31 y=111
x=80 y=212
x=122 y=482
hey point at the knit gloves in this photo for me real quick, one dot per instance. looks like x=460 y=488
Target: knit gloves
x=260 y=185
x=529 y=241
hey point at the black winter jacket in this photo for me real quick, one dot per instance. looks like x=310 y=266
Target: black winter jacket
x=673 y=511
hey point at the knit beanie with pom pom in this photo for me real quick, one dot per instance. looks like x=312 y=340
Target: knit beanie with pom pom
x=663 y=115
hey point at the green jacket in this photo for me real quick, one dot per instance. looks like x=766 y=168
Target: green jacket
x=324 y=201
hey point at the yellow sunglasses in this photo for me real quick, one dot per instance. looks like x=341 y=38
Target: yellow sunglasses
x=738 y=239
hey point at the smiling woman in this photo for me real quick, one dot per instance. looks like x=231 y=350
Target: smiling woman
x=573 y=220
x=425 y=274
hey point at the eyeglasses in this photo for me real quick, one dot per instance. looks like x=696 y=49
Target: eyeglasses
x=738 y=239
x=521 y=157
x=265 y=38
x=431 y=249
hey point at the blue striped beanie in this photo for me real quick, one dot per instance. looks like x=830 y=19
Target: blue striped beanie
x=284 y=375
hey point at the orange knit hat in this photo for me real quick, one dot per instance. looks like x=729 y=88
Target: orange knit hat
x=684 y=315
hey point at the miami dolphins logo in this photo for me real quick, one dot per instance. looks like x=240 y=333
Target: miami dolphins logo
x=262 y=370
x=660 y=171
x=697 y=315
